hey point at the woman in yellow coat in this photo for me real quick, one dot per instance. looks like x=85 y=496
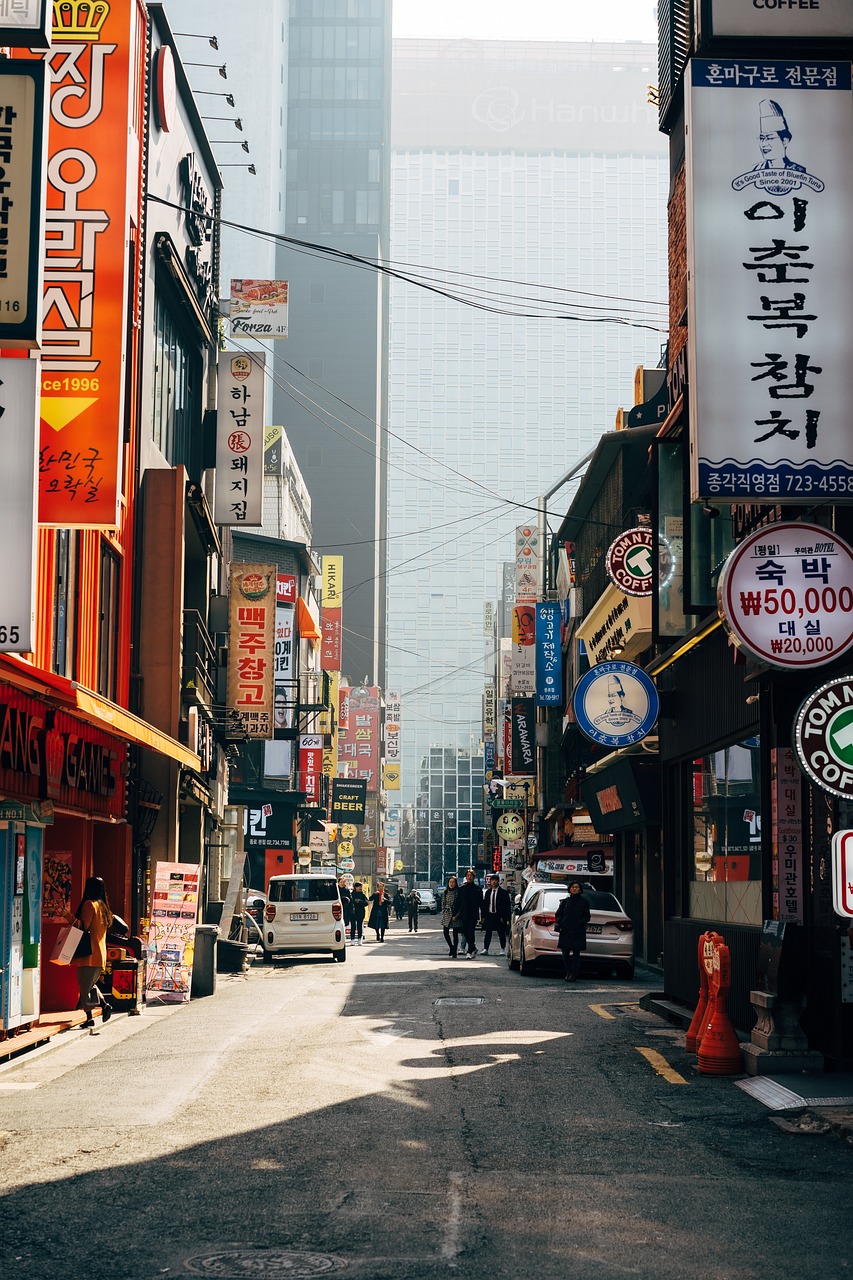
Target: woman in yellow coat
x=95 y=917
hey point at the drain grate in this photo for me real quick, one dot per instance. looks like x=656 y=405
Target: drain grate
x=461 y=1000
x=265 y=1264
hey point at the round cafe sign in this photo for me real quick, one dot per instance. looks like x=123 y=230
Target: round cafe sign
x=823 y=737
x=786 y=595
x=615 y=704
x=629 y=561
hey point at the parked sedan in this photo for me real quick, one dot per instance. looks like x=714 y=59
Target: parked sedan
x=609 y=934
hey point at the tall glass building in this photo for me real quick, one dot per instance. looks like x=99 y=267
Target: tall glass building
x=532 y=181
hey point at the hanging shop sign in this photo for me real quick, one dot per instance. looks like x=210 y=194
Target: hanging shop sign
x=786 y=595
x=786 y=835
x=19 y=509
x=769 y=168
x=510 y=827
x=549 y=655
x=523 y=676
x=311 y=768
x=629 y=561
x=23 y=119
x=527 y=552
x=91 y=141
x=258 y=308
x=842 y=873
x=251 y=646
x=240 y=381
x=615 y=704
x=782 y=19
x=349 y=797
x=523 y=747
x=25 y=24
x=393 y=707
x=617 y=625
x=331 y=613
x=823 y=737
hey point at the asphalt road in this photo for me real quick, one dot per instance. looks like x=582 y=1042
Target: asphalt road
x=358 y=1120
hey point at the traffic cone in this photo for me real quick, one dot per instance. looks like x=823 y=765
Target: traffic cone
x=719 y=1048
x=698 y=1022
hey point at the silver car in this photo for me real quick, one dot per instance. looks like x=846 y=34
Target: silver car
x=609 y=935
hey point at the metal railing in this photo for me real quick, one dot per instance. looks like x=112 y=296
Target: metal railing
x=198 y=661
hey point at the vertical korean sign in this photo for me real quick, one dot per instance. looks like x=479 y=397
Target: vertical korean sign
x=549 y=655
x=171 y=933
x=84 y=328
x=331 y=613
x=18 y=513
x=278 y=753
x=240 y=415
x=770 y=260
x=393 y=708
x=23 y=138
x=523 y=677
x=311 y=767
x=786 y=814
x=251 y=646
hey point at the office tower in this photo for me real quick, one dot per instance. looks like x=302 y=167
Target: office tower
x=514 y=164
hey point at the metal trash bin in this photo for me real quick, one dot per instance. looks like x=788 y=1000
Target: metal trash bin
x=204 y=961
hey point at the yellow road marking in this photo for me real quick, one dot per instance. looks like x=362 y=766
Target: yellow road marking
x=661 y=1065
x=602 y=1012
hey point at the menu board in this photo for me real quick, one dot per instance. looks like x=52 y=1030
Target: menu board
x=171 y=932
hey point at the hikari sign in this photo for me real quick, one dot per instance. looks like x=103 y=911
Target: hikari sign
x=240 y=439
x=786 y=595
x=770 y=258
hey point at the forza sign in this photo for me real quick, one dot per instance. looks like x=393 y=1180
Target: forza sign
x=823 y=737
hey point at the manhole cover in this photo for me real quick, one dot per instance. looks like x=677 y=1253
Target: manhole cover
x=267 y=1264
x=461 y=1000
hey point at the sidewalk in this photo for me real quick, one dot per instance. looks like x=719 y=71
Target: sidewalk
x=800 y=1103
x=45 y=1027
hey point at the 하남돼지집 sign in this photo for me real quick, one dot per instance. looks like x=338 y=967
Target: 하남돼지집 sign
x=615 y=704
x=823 y=737
x=629 y=561
x=785 y=595
x=241 y=401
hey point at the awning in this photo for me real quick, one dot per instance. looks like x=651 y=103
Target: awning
x=107 y=715
x=305 y=625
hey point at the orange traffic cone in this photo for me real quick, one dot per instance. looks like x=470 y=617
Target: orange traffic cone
x=697 y=1025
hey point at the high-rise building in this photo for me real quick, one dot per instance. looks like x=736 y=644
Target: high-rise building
x=531 y=180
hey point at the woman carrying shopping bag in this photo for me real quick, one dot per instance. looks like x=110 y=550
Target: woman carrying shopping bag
x=94 y=917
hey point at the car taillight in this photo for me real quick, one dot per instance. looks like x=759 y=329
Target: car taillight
x=544 y=921
x=337 y=910
x=624 y=926
x=269 y=911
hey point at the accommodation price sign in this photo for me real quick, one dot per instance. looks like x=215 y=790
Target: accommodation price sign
x=785 y=595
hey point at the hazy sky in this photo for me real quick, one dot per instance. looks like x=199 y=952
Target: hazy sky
x=533 y=20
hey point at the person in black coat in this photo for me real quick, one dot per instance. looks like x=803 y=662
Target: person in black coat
x=469 y=907
x=414 y=902
x=399 y=903
x=346 y=901
x=570 y=923
x=497 y=911
x=358 y=905
x=378 y=918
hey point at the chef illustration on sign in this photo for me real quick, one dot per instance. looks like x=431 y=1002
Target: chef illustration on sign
x=776 y=173
x=617 y=715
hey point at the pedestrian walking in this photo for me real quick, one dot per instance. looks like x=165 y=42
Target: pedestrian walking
x=497 y=909
x=449 y=916
x=94 y=917
x=399 y=901
x=378 y=918
x=346 y=901
x=358 y=906
x=470 y=908
x=570 y=923
x=413 y=903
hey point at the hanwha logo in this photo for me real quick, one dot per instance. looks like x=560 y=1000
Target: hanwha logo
x=498 y=109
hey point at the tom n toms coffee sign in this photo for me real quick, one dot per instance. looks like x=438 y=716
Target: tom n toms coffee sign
x=781 y=19
x=823 y=737
x=629 y=562
x=786 y=595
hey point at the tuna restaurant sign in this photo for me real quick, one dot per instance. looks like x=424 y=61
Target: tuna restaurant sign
x=48 y=755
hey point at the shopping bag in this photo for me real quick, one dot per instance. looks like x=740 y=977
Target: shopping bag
x=66 y=944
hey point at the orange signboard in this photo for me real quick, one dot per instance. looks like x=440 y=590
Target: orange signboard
x=85 y=263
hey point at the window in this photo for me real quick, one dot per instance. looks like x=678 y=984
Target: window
x=108 y=622
x=726 y=807
x=176 y=393
x=64 y=654
x=315 y=889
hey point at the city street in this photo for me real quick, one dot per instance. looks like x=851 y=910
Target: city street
x=405 y=1115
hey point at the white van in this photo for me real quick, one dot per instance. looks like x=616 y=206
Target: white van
x=304 y=913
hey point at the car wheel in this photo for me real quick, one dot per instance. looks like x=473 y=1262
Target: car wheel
x=341 y=955
x=511 y=962
x=526 y=967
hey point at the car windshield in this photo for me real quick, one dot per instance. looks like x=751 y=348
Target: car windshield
x=313 y=890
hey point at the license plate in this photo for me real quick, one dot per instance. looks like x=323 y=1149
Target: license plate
x=590 y=928
x=306 y=915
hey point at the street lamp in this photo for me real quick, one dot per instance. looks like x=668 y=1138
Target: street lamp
x=235 y=120
x=215 y=93
x=222 y=70
x=250 y=167
x=229 y=142
x=193 y=35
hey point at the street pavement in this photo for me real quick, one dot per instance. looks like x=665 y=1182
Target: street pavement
x=405 y=1115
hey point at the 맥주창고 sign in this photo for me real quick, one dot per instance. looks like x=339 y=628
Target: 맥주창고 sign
x=615 y=704
x=786 y=595
x=823 y=737
x=629 y=561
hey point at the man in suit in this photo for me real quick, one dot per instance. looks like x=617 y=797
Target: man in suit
x=497 y=909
